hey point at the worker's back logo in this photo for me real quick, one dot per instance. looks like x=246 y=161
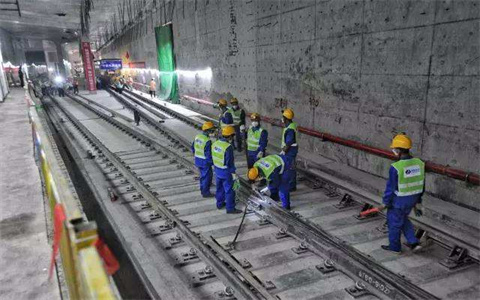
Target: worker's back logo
x=265 y=164
x=217 y=149
x=411 y=171
x=198 y=141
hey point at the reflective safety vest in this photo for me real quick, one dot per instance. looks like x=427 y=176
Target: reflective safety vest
x=219 y=148
x=253 y=139
x=200 y=144
x=269 y=164
x=222 y=125
x=293 y=126
x=411 y=176
x=236 y=114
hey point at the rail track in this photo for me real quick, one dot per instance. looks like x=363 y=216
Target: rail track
x=319 y=251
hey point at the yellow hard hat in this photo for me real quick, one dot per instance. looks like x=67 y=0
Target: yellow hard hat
x=228 y=131
x=207 y=125
x=234 y=100
x=288 y=113
x=222 y=102
x=252 y=173
x=401 y=141
x=254 y=116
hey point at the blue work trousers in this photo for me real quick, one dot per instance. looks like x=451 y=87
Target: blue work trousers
x=398 y=222
x=238 y=138
x=280 y=189
x=252 y=158
x=225 y=193
x=292 y=170
x=206 y=175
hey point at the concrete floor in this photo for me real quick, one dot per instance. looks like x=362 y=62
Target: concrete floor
x=24 y=247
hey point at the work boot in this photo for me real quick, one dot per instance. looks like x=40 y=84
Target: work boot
x=221 y=206
x=288 y=208
x=387 y=248
x=235 y=211
x=415 y=247
x=208 y=196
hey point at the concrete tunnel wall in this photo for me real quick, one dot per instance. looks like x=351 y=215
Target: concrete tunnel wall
x=362 y=70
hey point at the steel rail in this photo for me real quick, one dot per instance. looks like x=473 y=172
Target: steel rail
x=113 y=112
x=382 y=282
x=223 y=266
x=442 y=237
x=147 y=107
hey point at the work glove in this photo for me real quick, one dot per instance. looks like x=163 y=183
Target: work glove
x=242 y=128
x=264 y=191
x=234 y=176
x=259 y=155
x=282 y=152
x=418 y=210
x=236 y=185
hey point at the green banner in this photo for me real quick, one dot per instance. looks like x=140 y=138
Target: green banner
x=166 y=63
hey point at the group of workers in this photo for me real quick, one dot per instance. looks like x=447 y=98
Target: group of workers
x=403 y=193
x=278 y=170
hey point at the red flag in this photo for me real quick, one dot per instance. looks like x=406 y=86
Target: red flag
x=110 y=261
x=58 y=219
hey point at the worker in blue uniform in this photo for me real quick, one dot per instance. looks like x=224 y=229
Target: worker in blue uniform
x=257 y=140
x=238 y=115
x=201 y=148
x=224 y=165
x=225 y=118
x=289 y=145
x=404 y=190
x=273 y=168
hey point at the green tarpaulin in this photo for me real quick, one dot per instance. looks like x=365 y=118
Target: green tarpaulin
x=166 y=63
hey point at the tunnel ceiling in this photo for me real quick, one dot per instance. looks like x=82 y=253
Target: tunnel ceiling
x=56 y=20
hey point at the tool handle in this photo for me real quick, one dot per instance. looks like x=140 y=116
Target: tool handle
x=369 y=212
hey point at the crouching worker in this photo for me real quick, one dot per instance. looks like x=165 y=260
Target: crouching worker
x=273 y=168
x=403 y=193
x=202 y=149
x=223 y=160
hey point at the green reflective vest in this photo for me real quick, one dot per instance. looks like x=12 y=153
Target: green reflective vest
x=200 y=143
x=268 y=164
x=222 y=125
x=411 y=176
x=219 y=148
x=253 y=139
x=293 y=126
x=236 y=114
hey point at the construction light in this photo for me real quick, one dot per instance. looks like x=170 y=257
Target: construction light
x=58 y=79
x=206 y=73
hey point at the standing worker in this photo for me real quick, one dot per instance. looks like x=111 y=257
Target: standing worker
x=238 y=116
x=289 y=145
x=152 y=88
x=202 y=149
x=223 y=160
x=404 y=190
x=136 y=117
x=75 y=86
x=257 y=139
x=20 y=76
x=225 y=117
x=273 y=168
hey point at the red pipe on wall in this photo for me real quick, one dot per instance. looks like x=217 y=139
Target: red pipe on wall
x=469 y=177
x=472 y=178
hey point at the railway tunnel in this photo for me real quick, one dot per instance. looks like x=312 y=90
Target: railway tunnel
x=105 y=193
